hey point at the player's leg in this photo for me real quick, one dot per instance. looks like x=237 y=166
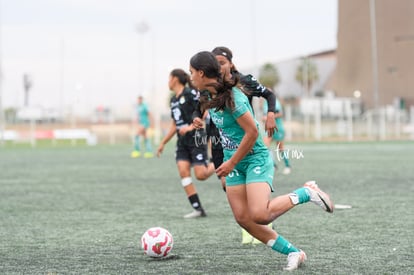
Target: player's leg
x=285 y=156
x=147 y=142
x=263 y=210
x=202 y=169
x=137 y=143
x=238 y=200
x=183 y=159
x=217 y=156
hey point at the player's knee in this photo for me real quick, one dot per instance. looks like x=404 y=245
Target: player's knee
x=186 y=181
x=201 y=175
x=259 y=217
x=241 y=219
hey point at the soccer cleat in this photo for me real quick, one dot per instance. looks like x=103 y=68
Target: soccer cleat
x=135 y=154
x=148 y=155
x=286 y=171
x=256 y=241
x=295 y=259
x=318 y=197
x=196 y=214
x=246 y=237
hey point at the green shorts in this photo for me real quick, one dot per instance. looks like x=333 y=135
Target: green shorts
x=145 y=123
x=253 y=168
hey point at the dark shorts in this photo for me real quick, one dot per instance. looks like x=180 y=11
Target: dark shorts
x=194 y=154
x=218 y=156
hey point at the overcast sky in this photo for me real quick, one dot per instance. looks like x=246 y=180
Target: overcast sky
x=90 y=52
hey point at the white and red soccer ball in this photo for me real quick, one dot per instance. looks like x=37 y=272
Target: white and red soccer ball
x=157 y=242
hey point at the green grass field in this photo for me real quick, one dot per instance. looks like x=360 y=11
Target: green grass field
x=82 y=210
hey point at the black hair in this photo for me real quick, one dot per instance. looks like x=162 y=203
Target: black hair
x=207 y=62
x=227 y=53
x=224 y=51
x=182 y=77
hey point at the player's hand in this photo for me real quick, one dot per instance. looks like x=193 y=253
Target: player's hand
x=270 y=125
x=225 y=168
x=160 y=149
x=198 y=123
x=186 y=129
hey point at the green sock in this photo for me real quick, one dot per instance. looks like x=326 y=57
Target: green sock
x=302 y=195
x=283 y=246
x=148 y=145
x=136 y=143
x=286 y=160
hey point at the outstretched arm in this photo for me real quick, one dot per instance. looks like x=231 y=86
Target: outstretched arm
x=167 y=138
x=255 y=88
x=270 y=124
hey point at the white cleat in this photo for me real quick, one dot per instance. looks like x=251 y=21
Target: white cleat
x=295 y=259
x=286 y=171
x=195 y=214
x=318 y=197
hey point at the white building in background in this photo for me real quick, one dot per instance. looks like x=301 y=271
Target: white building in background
x=289 y=87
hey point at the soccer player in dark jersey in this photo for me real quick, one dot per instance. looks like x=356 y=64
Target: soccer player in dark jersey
x=191 y=148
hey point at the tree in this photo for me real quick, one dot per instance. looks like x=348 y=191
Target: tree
x=269 y=75
x=307 y=74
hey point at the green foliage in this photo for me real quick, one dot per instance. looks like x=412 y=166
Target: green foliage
x=269 y=75
x=82 y=210
x=307 y=74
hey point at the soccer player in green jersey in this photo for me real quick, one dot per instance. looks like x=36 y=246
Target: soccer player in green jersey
x=278 y=136
x=251 y=87
x=143 y=119
x=248 y=166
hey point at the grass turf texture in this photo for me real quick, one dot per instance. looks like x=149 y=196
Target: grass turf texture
x=82 y=210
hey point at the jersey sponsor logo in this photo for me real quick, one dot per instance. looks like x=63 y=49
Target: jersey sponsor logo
x=177 y=114
x=257 y=170
x=227 y=143
x=219 y=121
x=199 y=157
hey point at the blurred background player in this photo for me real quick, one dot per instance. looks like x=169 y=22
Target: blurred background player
x=143 y=124
x=191 y=148
x=278 y=137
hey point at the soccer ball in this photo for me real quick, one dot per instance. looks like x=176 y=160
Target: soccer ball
x=157 y=242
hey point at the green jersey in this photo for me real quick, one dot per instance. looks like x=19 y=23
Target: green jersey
x=230 y=131
x=143 y=115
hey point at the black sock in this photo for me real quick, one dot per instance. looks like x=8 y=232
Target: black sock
x=195 y=202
